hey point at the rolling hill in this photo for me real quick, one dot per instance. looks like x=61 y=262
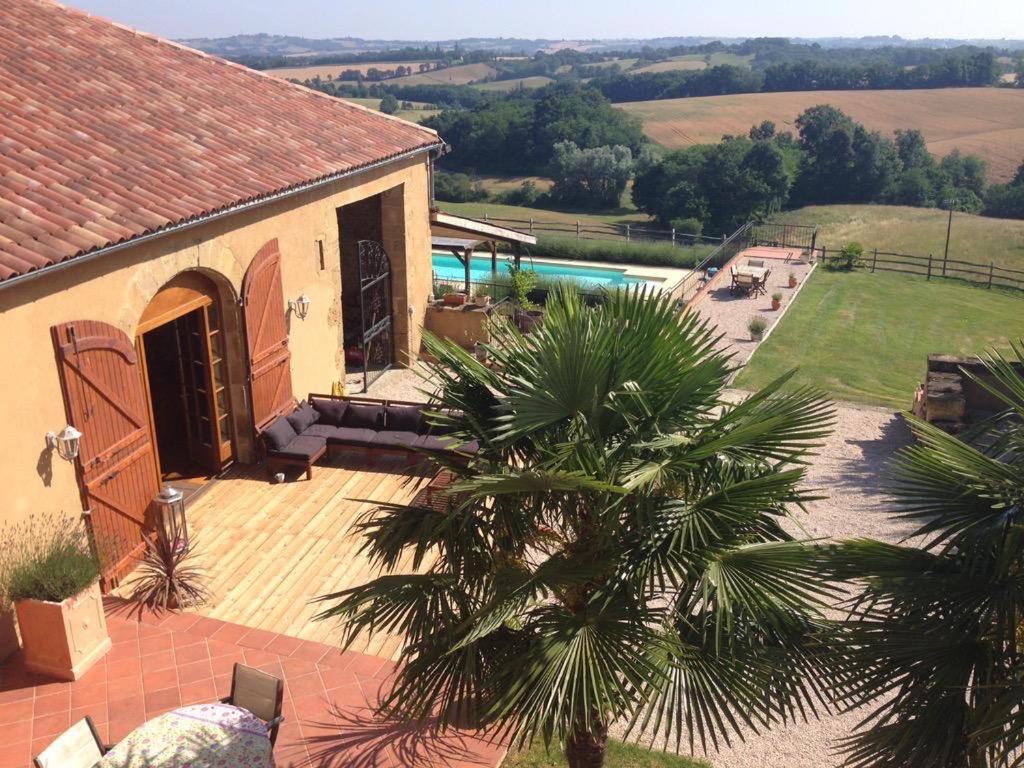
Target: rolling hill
x=988 y=122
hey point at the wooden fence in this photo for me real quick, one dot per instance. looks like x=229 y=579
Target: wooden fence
x=988 y=275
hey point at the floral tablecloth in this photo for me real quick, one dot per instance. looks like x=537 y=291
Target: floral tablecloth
x=199 y=736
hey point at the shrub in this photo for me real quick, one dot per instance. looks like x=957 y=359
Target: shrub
x=653 y=254
x=757 y=325
x=776 y=297
x=46 y=558
x=850 y=255
x=165 y=578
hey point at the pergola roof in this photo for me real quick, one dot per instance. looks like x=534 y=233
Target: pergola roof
x=448 y=225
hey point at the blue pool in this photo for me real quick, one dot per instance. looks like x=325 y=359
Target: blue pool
x=448 y=267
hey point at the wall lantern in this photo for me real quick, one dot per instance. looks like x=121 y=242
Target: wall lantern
x=66 y=442
x=299 y=306
x=171 y=504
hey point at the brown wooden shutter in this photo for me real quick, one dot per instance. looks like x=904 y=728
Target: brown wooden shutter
x=270 y=377
x=104 y=398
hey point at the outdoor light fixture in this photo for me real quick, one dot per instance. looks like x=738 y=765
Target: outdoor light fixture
x=299 y=306
x=66 y=443
x=171 y=503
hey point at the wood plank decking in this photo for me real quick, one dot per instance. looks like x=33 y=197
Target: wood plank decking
x=269 y=549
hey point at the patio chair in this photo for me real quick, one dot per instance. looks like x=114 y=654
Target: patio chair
x=259 y=693
x=744 y=284
x=761 y=285
x=78 y=747
x=733 y=288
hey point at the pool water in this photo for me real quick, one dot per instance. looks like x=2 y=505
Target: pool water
x=448 y=267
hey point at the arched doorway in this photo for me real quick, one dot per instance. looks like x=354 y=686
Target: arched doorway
x=182 y=349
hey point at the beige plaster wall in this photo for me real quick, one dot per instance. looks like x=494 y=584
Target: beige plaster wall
x=117 y=287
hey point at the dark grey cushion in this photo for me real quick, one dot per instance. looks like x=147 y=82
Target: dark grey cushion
x=403 y=418
x=302 y=417
x=331 y=411
x=395 y=439
x=278 y=434
x=435 y=443
x=441 y=429
x=326 y=431
x=471 y=447
x=303 y=448
x=363 y=416
x=362 y=438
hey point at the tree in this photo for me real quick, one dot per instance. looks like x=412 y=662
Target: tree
x=593 y=178
x=935 y=630
x=765 y=130
x=614 y=550
x=1007 y=200
x=389 y=104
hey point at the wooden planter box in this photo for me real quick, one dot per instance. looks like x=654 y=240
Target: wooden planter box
x=63 y=640
x=8 y=635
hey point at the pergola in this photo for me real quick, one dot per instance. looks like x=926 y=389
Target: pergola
x=461 y=237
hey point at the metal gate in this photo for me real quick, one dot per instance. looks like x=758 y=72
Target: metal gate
x=375 y=310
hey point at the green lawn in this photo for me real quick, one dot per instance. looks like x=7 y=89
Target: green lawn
x=865 y=337
x=619 y=756
x=477 y=211
x=917 y=231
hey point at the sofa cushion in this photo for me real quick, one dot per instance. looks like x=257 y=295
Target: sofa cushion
x=361 y=438
x=302 y=417
x=403 y=418
x=363 y=416
x=326 y=431
x=435 y=443
x=278 y=434
x=395 y=439
x=331 y=411
x=471 y=447
x=440 y=429
x=303 y=448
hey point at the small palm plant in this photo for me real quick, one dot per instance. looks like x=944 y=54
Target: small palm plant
x=937 y=628
x=166 y=577
x=616 y=549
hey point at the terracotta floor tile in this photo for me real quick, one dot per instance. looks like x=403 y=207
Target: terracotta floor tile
x=159 y=680
x=123 y=668
x=48 y=725
x=199 y=693
x=191 y=653
x=337 y=659
x=98 y=713
x=54 y=702
x=118 y=729
x=15 y=755
x=310 y=707
x=205 y=626
x=366 y=665
x=192 y=673
x=98 y=674
x=230 y=633
x=156 y=661
x=297 y=667
x=333 y=678
x=303 y=685
x=16 y=710
x=86 y=695
x=158 y=701
x=152 y=630
x=17 y=694
x=18 y=733
x=124 y=687
x=179 y=622
x=257 y=638
x=283 y=645
x=255 y=658
x=223 y=685
x=310 y=651
x=128 y=649
x=38 y=745
x=131 y=708
x=218 y=648
x=155 y=644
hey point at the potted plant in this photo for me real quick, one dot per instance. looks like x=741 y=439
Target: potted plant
x=455 y=298
x=483 y=299
x=528 y=315
x=792 y=280
x=51 y=576
x=776 y=301
x=165 y=578
x=757 y=326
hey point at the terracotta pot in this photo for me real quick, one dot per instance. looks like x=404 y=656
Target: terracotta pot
x=64 y=640
x=792 y=282
x=483 y=301
x=9 y=642
x=776 y=304
x=455 y=299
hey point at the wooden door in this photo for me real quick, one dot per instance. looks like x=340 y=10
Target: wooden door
x=266 y=328
x=104 y=398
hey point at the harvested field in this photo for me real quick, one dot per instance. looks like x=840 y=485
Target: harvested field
x=988 y=122
x=538 y=81
x=331 y=71
x=464 y=74
x=672 y=65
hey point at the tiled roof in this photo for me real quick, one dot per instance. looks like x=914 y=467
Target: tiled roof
x=108 y=134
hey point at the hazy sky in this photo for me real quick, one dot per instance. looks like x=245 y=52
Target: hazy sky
x=568 y=19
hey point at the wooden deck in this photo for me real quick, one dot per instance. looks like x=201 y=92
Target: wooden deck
x=269 y=549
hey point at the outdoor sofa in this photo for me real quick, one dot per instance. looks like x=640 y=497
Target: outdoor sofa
x=325 y=424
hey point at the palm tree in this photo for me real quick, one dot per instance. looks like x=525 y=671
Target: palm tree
x=936 y=628
x=615 y=551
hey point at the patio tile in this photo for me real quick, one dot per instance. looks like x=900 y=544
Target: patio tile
x=179 y=622
x=125 y=709
x=15 y=711
x=18 y=733
x=257 y=638
x=124 y=687
x=304 y=685
x=152 y=662
x=255 y=658
x=54 y=702
x=283 y=645
x=51 y=724
x=155 y=643
x=192 y=673
x=310 y=651
x=159 y=679
x=15 y=755
x=206 y=626
x=88 y=695
x=230 y=633
x=123 y=668
x=98 y=713
x=158 y=701
x=198 y=693
x=191 y=653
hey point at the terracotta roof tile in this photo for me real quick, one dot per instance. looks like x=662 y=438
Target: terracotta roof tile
x=109 y=134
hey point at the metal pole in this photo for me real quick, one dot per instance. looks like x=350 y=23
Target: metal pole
x=929 y=266
x=949 y=227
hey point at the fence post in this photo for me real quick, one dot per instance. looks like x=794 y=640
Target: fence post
x=874 y=261
x=824 y=255
x=991 y=267
x=485 y=217
x=929 y=267
x=577 y=229
x=627 y=233
x=673 y=235
x=944 y=260
x=814 y=240
x=531 y=224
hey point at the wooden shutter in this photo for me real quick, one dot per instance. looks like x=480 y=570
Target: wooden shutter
x=266 y=327
x=104 y=398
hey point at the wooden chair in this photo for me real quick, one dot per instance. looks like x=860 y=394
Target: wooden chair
x=744 y=284
x=78 y=747
x=259 y=693
x=761 y=285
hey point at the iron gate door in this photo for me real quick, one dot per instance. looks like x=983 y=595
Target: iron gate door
x=375 y=310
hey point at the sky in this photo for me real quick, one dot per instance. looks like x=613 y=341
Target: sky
x=567 y=19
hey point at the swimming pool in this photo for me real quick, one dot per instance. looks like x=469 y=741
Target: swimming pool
x=448 y=267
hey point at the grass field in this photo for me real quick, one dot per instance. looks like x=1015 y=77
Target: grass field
x=464 y=74
x=331 y=71
x=619 y=756
x=538 y=81
x=477 y=211
x=417 y=115
x=988 y=122
x=508 y=183
x=917 y=231
x=865 y=338
x=694 y=61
